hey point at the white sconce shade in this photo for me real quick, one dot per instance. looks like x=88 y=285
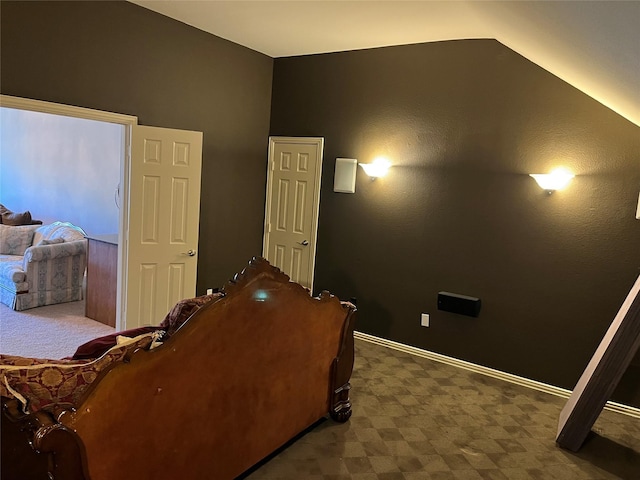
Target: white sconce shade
x=378 y=168
x=344 y=178
x=556 y=180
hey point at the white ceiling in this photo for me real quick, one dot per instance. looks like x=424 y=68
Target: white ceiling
x=594 y=45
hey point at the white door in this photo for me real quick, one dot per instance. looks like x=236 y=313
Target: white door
x=164 y=210
x=293 y=200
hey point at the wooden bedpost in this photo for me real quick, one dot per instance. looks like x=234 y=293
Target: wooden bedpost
x=36 y=446
x=342 y=369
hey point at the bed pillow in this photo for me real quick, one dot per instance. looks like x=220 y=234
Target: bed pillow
x=98 y=346
x=182 y=310
x=52 y=384
x=174 y=319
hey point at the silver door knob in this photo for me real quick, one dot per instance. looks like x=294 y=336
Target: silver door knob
x=191 y=253
x=304 y=243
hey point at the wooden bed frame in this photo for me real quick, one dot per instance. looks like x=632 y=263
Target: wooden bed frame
x=243 y=376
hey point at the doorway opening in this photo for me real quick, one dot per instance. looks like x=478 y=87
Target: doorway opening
x=157 y=239
x=121 y=128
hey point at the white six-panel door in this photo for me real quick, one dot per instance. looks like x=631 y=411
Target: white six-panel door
x=292 y=205
x=164 y=203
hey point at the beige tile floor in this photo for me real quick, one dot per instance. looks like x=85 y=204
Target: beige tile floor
x=415 y=419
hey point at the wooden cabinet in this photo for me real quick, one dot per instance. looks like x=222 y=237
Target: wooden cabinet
x=102 y=278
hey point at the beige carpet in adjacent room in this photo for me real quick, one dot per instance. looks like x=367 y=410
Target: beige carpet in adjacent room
x=54 y=331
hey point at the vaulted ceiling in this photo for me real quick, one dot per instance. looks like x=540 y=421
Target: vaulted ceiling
x=593 y=45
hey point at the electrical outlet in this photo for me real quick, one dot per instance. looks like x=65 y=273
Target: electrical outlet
x=209 y=291
x=424 y=320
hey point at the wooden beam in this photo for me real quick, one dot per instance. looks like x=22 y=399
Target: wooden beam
x=602 y=375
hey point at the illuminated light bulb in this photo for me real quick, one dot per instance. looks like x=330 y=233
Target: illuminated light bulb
x=378 y=168
x=556 y=180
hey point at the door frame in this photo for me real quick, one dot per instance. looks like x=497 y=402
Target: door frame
x=127 y=121
x=319 y=142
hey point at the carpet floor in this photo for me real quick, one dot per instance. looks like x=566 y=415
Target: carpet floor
x=416 y=419
x=54 y=331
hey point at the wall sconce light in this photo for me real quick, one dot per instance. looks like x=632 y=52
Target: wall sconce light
x=378 y=168
x=556 y=180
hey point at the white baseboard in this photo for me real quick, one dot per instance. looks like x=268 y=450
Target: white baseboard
x=490 y=372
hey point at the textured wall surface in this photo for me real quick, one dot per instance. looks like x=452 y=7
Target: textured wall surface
x=464 y=123
x=61 y=168
x=119 y=57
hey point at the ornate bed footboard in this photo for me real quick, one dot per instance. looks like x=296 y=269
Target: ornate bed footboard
x=240 y=378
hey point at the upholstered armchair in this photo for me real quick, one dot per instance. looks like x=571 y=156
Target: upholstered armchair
x=41 y=265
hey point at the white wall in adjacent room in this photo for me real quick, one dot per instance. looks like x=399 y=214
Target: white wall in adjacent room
x=61 y=168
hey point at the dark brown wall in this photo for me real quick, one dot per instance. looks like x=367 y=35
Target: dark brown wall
x=119 y=57
x=464 y=123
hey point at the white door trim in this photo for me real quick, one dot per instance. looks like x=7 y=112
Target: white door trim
x=68 y=110
x=127 y=121
x=319 y=142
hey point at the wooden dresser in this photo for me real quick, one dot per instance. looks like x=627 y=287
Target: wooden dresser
x=102 y=278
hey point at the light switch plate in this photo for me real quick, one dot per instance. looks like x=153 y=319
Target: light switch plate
x=638 y=210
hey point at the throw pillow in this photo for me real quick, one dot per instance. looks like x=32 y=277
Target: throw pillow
x=15 y=240
x=12 y=218
x=3 y=210
x=51 y=241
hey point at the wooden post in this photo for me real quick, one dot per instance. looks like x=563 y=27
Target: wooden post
x=600 y=378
